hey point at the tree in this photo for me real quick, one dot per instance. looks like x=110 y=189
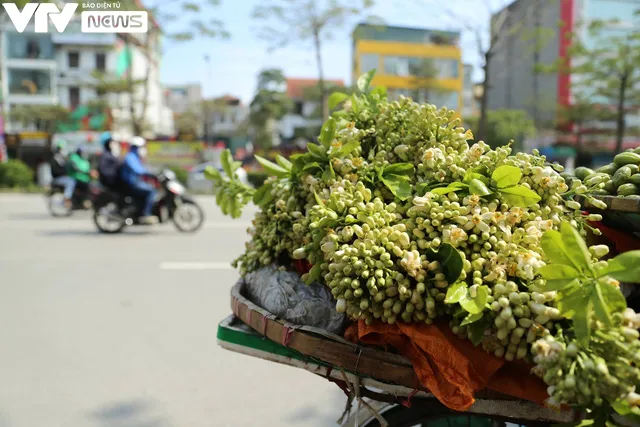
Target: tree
x=606 y=70
x=314 y=94
x=46 y=118
x=167 y=20
x=504 y=125
x=268 y=105
x=502 y=24
x=288 y=21
x=188 y=123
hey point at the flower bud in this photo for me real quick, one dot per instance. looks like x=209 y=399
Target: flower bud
x=599 y=251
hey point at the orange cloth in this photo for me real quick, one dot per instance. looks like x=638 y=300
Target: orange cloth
x=451 y=368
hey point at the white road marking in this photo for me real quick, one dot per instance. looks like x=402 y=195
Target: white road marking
x=196 y=266
x=227 y=225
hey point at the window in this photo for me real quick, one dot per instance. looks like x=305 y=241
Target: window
x=29 y=46
x=74 y=96
x=368 y=62
x=73 y=59
x=396 y=66
x=298 y=106
x=101 y=61
x=447 y=99
x=29 y=82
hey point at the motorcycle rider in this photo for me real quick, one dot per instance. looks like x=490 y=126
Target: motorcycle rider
x=132 y=173
x=109 y=164
x=79 y=170
x=58 y=166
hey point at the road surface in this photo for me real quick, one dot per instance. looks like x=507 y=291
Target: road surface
x=120 y=331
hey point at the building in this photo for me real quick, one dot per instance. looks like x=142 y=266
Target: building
x=305 y=119
x=543 y=37
x=225 y=116
x=183 y=98
x=469 y=104
x=421 y=63
x=57 y=69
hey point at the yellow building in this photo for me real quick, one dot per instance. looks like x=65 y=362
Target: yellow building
x=423 y=64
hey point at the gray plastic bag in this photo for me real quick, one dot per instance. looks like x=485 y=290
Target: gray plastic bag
x=284 y=294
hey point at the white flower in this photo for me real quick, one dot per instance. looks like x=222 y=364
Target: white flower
x=310 y=180
x=454 y=235
x=476 y=150
x=471 y=200
x=412 y=263
x=516 y=215
x=497 y=270
x=527 y=263
x=478 y=221
x=431 y=156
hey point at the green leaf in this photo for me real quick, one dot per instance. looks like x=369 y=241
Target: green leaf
x=471 y=318
x=474 y=175
x=576 y=248
x=263 y=196
x=450 y=260
x=346 y=149
x=398 y=185
x=317 y=151
x=477 y=331
x=379 y=90
x=312 y=166
x=476 y=305
x=282 y=161
x=212 y=174
x=612 y=296
x=561 y=285
x=600 y=306
x=451 y=188
x=318 y=199
x=506 y=176
x=631 y=413
x=336 y=98
x=399 y=169
x=572 y=300
x=625 y=267
x=364 y=81
x=554 y=248
x=581 y=320
x=456 y=292
x=520 y=196
x=271 y=168
x=328 y=173
x=422 y=188
x=558 y=271
x=327 y=133
x=226 y=159
x=478 y=187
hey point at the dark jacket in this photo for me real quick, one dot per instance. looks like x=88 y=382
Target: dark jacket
x=58 y=165
x=108 y=169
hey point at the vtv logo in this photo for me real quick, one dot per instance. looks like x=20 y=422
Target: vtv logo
x=42 y=11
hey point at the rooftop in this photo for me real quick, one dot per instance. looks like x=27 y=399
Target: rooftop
x=296 y=86
x=405 y=34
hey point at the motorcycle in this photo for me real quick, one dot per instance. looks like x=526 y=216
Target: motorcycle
x=114 y=211
x=81 y=200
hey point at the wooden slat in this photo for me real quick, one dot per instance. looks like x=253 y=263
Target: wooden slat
x=619 y=204
x=365 y=361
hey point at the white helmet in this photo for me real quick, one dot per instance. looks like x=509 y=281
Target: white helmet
x=138 y=141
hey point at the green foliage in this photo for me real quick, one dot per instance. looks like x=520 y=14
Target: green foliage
x=231 y=194
x=46 y=118
x=15 y=174
x=257 y=179
x=504 y=125
x=584 y=292
x=269 y=104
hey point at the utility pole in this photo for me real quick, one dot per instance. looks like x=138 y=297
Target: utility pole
x=205 y=104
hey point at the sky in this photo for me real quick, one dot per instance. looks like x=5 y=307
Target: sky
x=235 y=63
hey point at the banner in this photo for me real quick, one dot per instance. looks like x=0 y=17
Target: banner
x=178 y=153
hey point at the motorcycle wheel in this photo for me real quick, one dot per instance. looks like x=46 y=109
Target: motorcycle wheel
x=55 y=204
x=107 y=219
x=188 y=217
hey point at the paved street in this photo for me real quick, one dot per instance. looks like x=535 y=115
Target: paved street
x=120 y=331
